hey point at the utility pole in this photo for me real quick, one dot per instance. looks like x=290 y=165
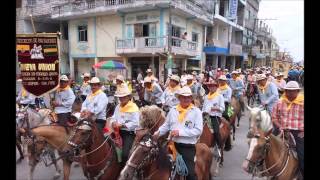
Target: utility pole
x=169 y=57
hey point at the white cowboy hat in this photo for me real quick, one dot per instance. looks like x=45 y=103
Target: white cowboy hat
x=260 y=77
x=292 y=85
x=219 y=69
x=122 y=91
x=86 y=75
x=223 y=77
x=194 y=73
x=279 y=74
x=120 y=77
x=19 y=80
x=147 y=80
x=175 y=78
x=149 y=70
x=226 y=70
x=94 y=80
x=185 y=91
x=189 y=77
x=268 y=72
x=64 y=78
x=234 y=72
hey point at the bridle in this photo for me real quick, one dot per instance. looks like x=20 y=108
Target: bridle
x=153 y=152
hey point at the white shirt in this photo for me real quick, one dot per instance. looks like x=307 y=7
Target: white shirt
x=129 y=119
x=216 y=102
x=280 y=85
x=189 y=130
x=169 y=98
x=85 y=89
x=97 y=105
x=66 y=99
x=227 y=93
x=28 y=99
x=155 y=94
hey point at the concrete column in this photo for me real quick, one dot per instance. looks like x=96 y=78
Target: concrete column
x=233 y=63
x=223 y=61
x=71 y=62
x=215 y=61
x=184 y=64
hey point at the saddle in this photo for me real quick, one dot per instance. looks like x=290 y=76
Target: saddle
x=290 y=143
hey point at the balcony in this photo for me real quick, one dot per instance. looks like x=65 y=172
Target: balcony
x=235 y=49
x=151 y=45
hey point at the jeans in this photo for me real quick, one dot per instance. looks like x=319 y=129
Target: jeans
x=299 y=149
x=100 y=124
x=127 y=139
x=188 y=152
x=63 y=118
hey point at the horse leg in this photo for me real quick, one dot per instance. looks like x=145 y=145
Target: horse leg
x=238 y=116
x=54 y=160
x=234 y=132
x=32 y=161
x=18 y=145
x=66 y=169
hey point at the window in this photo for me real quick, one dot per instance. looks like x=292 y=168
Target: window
x=246 y=15
x=249 y=15
x=194 y=37
x=47 y=1
x=31 y=2
x=83 y=33
x=244 y=40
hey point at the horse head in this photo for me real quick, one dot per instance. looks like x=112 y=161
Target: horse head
x=141 y=155
x=259 y=119
x=151 y=118
x=259 y=146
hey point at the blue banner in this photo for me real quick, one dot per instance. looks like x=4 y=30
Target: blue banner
x=233 y=8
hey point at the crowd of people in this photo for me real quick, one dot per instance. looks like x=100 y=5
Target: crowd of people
x=184 y=99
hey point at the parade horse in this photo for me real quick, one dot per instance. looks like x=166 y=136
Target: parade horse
x=207 y=137
x=97 y=155
x=235 y=104
x=251 y=93
x=149 y=157
x=269 y=155
x=36 y=145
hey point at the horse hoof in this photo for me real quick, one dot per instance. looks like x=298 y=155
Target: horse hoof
x=56 y=176
x=220 y=165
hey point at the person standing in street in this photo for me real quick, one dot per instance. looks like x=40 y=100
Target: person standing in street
x=96 y=103
x=288 y=116
x=85 y=87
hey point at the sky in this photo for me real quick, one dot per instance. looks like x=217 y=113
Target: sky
x=288 y=28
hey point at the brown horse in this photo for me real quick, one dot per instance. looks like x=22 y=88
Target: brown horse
x=99 y=159
x=150 y=158
x=236 y=114
x=271 y=157
x=207 y=138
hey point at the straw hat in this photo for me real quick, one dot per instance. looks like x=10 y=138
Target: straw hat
x=279 y=74
x=234 y=72
x=86 y=75
x=260 y=77
x=149 y=71
x=94 y=80
x=189 y=77
x=122 y=91
x=147 y=80
x=226 y=70
x=120 y=77
x=175 y=78
x=292 y=85
x=185 y=91
x=223 y=77
x=64 y=78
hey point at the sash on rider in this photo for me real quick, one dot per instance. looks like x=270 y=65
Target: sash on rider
x=92 y=95
x=183 y=112
x=299 y=100
x=129 y=107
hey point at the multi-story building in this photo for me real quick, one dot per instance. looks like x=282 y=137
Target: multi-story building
x=40 y=10
x=223 y=41
x=264 y=42
x=250 y=49
x=134 y=32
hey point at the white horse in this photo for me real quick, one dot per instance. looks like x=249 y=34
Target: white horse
x=34 y=119
x=259 y=118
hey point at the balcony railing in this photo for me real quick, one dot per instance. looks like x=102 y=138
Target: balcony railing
x=145 y=45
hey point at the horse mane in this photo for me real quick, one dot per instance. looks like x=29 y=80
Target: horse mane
x=163 y=160
x=261 y=119
x=149 y=115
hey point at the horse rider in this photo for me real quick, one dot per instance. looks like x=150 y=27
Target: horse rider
x=195 y=87
x=280 y=83
x=125 y=118
x=85 y=87
x=226 y=72
x=120 y=81
x=268 y=92
x=214 y=106
x=96 y=103
x=64 y=99
x=183 y=79
x=226 y=92
x=237 y=86
x=152 y=92
x=169 y=100
x=269 y=76
x=150 y=74
x=185 y=123
x=288 y=115
x=25 y=98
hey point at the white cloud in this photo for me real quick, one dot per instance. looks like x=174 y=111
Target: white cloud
x=289 y=26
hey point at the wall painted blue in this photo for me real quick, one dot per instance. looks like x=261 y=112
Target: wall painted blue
x=215 y=50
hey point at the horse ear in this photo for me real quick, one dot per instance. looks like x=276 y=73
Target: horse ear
x=268 y=133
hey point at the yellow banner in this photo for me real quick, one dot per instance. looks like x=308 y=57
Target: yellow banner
x=21 y=47
x=49 y=50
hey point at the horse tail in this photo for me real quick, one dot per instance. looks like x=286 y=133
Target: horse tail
x=228 y=146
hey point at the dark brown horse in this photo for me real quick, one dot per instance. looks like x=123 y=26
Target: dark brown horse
x=271 y=157
x=149 y=157
x=207 y=138
x=236 y=114
x=99 y=159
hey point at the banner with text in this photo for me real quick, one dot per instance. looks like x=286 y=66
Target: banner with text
x=233 y=9
x=38 y=58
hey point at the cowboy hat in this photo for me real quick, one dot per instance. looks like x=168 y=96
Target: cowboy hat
x=189 y=77
x=120 y=77
x=64 y=78
x=194 y=73
x=226 y=70
x=185 y=91
x=219 y=69
x=86 y=75
x=149 y=71
x=122 y=91
x=292 y=85
x=234 y=72
x=94 y=80
x=279 y=74
x=260 y=77
x=223 y=77
x=175 y=78
x=211 y=81
x=147 y=79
